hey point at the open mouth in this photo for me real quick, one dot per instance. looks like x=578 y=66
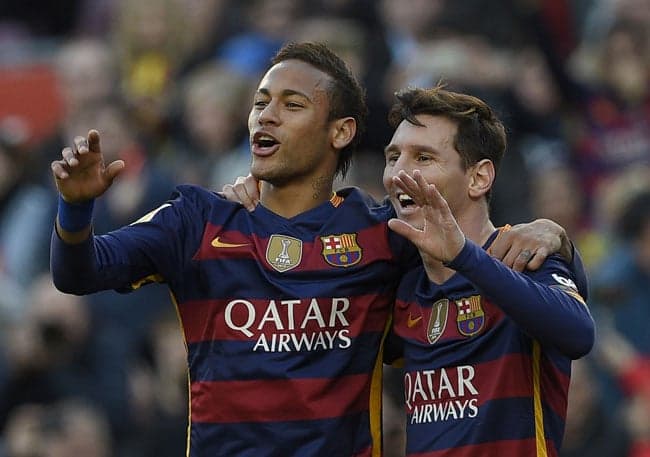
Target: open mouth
x=264 y=144
x=405 y=201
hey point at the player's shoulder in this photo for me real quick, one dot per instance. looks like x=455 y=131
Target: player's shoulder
x=359 y=198
x=200 y=197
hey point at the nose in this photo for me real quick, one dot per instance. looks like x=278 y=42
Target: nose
x=269 y=115
x=402 y=164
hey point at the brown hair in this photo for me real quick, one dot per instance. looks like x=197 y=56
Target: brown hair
x=480 y=134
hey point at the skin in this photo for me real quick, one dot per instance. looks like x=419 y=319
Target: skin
x=82 y=175
x=449 y=201
x=291 y=105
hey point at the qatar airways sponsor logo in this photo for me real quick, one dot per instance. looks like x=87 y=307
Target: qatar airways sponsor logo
x=441 y=395
x=292 y=325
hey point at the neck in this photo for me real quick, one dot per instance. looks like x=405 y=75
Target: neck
x=290 y=200
x=476 y=225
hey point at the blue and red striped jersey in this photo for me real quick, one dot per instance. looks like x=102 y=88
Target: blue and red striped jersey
x=486 y=367
x=283 y=319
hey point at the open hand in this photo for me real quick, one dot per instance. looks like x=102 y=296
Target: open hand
x=440 y=237
x=81 y=174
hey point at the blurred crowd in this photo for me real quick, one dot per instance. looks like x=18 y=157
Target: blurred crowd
x=168 y=84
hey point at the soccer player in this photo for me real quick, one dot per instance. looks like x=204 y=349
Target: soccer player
x=487 y=350
x=284 y=308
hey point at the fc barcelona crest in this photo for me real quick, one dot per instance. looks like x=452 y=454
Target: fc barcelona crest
x=284 y=252
x=438 y=320
x=471 y=317
x=341 y=250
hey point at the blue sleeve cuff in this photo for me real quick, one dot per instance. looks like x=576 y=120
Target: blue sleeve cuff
x=74 y=217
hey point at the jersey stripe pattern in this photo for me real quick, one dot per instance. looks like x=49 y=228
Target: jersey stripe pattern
x=476 y=383
x=283 y=318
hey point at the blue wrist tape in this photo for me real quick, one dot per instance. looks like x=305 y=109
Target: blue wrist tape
x=74 y=217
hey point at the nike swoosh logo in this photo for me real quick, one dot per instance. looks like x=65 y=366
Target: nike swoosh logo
x=217 y=243
x=410 y=322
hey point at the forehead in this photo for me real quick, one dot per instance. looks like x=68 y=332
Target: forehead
x=437 y=131
x=295 y=75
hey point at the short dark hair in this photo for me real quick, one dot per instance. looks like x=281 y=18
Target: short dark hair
x=346 y=97
x=480 y=134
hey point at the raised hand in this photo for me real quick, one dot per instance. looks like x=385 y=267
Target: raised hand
x=440 y=237
x=81 y=174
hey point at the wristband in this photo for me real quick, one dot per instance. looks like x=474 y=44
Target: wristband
x=73 y=217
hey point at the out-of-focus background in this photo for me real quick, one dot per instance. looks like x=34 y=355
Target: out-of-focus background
x=168 y=84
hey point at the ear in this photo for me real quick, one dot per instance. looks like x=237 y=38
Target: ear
x=343 y=131
x=481 y=178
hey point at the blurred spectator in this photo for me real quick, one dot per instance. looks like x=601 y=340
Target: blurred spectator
x=213 y=147
x=631 y=371
x=267 y=24
x=608 y=90
x=592 y=428
x=55 y=353
x=159 y=393
x=534 y=116
x=393 y=414
x=620 y=291
x=557 y=195
x=621 y=285
x=149 y=38
x=207 y=24
x=71 y=427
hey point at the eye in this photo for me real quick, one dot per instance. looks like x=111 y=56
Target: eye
x=294 y=105
x=424 y=158
x=260 y=104
x=392 y=157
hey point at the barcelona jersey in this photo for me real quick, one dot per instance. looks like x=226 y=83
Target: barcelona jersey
x=283 y=318
x=487 y=357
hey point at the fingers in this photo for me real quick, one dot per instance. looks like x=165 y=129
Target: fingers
x=59 y=169
x=244 y=191
x=409 y=186
x=521 y=260
x=537 y=259
x=80 y=145
x=93 y=141
x=113 y=170
x=404 y=229
x=69 y=157
x=252 y=188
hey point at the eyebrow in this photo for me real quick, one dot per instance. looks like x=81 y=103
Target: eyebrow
x=284 y=93
x=418 y=147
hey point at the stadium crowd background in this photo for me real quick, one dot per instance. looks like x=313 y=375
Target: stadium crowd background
x=168 y=84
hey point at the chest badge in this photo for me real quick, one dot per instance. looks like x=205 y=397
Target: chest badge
x=470 y=318
x=341 y=250
x=284 y=252
x=438 y=320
